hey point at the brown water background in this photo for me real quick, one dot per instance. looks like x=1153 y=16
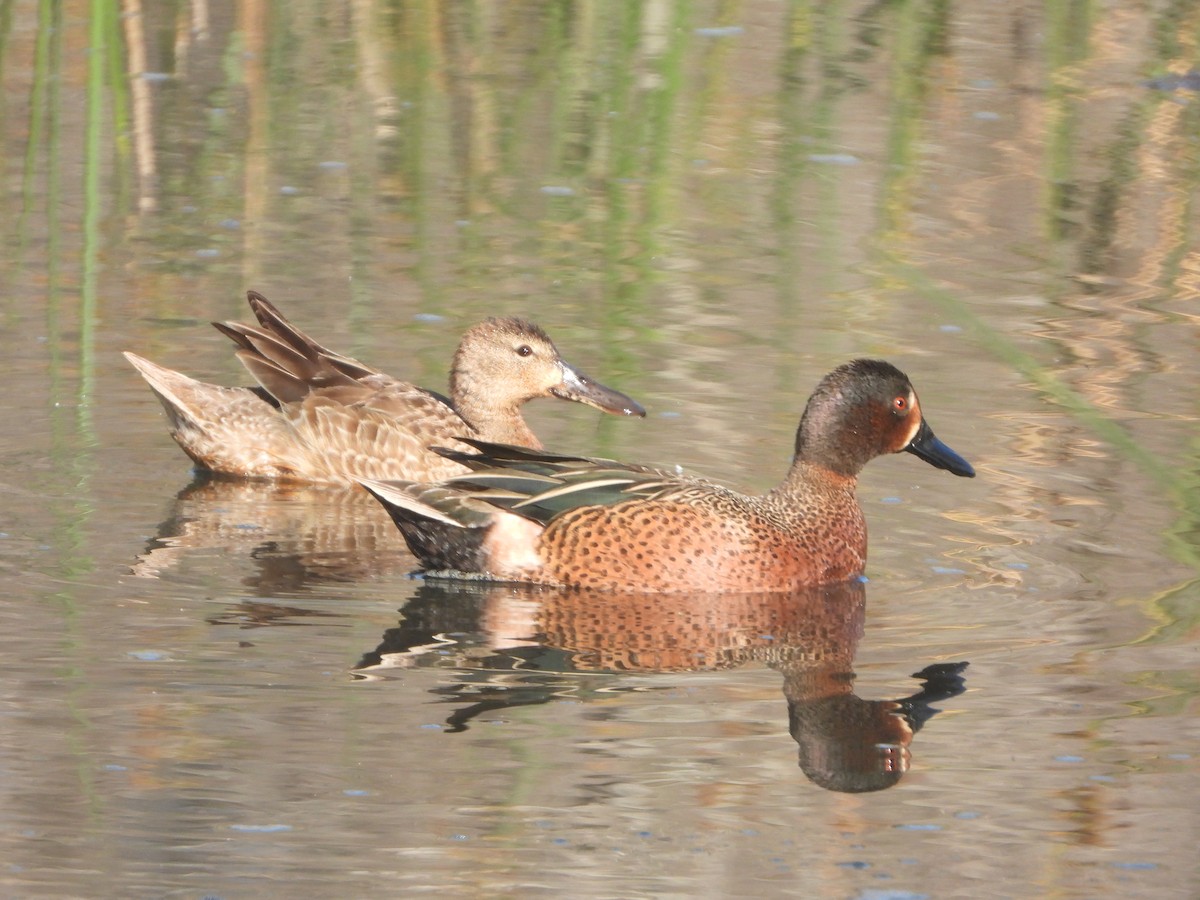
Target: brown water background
x=212 y=690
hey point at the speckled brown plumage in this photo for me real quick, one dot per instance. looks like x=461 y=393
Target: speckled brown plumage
x=601 y=524
x=713 y=539
x=322 y=417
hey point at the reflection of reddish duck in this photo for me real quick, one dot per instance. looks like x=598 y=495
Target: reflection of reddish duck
x=596 y=523
x=319 y=416
x=845 y=742
x=854 y=745
x=623 y=631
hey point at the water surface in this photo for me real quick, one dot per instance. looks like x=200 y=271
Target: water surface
x=217 y=689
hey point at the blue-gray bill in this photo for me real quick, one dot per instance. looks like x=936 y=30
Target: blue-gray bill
x=577 y=386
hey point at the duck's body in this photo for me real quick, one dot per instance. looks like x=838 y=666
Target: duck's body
x=578 y=522
x=322 y=417
x=704 y=537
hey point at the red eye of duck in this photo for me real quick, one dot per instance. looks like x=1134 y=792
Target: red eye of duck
x=900 y=404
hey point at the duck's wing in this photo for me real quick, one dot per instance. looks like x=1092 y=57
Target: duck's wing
x=273 y=321
x=541 y=486
x=384 y=435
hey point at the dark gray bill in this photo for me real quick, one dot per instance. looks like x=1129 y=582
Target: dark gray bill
x=926 y=446
x=577 y=386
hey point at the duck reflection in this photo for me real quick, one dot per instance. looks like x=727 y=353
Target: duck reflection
x=513 y=646
x=854 y=745
x=295 y=534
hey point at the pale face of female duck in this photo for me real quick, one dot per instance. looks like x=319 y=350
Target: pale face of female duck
x=319 y=416
x=600 y=524
x=503 y=363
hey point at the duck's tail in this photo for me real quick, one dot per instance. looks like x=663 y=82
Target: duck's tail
x=445 y=529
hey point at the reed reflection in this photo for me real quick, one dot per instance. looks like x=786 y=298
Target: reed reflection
x=514 y=646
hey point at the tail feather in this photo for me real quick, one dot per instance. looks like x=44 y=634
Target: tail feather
x=444 y=529
x=173 y=389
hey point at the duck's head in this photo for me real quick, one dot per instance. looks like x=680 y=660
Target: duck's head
x=508 y=361
x=866 y=408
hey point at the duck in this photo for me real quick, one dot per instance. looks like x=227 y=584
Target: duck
x=531 y=516
x=318 y=416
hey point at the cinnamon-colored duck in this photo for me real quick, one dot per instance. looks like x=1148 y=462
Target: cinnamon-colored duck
x=578 y=522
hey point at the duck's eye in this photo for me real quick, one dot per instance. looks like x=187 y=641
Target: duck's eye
x=900 y=404
x=524 y=350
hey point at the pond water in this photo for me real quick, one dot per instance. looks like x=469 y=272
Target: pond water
x=221 y=689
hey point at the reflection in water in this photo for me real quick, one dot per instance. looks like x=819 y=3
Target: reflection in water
x=515 y=646
x=295 y=534
x=253 y=614
x=850 y=744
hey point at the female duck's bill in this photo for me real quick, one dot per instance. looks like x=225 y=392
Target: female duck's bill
x=577 y=387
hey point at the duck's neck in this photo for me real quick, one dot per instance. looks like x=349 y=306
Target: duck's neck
x=498 y=420
x=819 y=509
x=832 y=439
x=804 y=477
